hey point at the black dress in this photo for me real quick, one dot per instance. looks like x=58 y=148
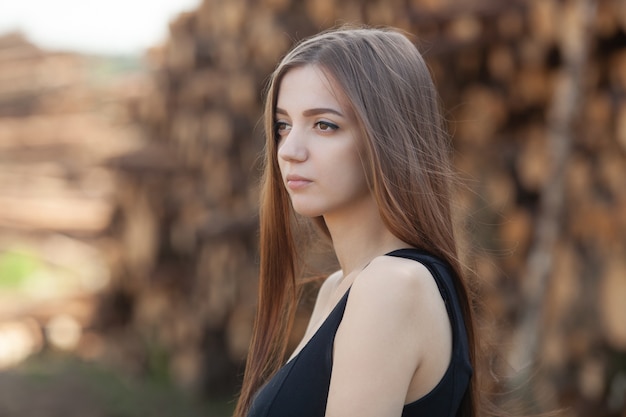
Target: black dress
x=300 y=387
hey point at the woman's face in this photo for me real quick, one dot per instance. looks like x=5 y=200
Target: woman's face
x=318 y=145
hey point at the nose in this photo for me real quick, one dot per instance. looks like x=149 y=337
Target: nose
x=292 y=148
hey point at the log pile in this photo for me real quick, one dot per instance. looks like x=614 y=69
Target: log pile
x=58 y=124
x=185 y=268
x=54 y=132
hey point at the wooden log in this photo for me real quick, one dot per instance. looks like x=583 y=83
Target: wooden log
x=606 y=22
x=218 y=130
x=620 y=128
x=597 y=113
x=181 y=58
x=612 y=174
x=516 y=231
x=464 y=28
x=511 y=24
x=534 y=162
x=612 y=296
x=70 y=215
x=239 y=331
x=532 y=85
x=384 y=13
x=617 y=68
x=276 y=5
x=481 y=115
x=321 y=12
x=241 y=92
x=501 y=63
x=579 y=181
x=542 y=16
x=265 y=41
x=500 y=192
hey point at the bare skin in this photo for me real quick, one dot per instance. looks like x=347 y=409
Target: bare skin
x=394 y=342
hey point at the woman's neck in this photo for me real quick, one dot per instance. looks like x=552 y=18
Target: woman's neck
x=360 y=236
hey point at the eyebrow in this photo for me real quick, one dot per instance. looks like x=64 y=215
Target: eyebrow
x=313 y=112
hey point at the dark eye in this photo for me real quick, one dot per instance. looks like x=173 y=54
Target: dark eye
x=280 y=128
x=326 y=126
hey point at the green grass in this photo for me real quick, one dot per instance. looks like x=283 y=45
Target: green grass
x=16 y=267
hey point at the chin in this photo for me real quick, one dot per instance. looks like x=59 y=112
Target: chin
x=306 y=210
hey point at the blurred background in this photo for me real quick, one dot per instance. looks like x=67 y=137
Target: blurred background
x=129 y=144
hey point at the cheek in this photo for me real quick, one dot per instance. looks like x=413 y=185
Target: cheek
x=351 y=174
x=356 y=165
x=359 y=181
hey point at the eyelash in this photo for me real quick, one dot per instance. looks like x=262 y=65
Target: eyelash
x=328 y=125
x=321 y=125
x=279 y=125
x=277 y=130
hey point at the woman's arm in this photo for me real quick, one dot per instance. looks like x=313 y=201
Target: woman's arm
x=394 y=342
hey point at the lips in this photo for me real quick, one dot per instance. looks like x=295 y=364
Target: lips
x=296 y=182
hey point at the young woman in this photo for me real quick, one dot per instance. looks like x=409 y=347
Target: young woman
x=355 y=142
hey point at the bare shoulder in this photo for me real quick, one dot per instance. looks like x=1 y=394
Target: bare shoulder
x=399 y=282
x=395 y=326
x=401 y=296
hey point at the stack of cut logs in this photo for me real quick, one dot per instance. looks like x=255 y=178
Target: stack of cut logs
x=536 y=99
x=58 y=124
x=41 y=140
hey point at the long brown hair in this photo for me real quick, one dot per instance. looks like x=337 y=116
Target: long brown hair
x=407 y=163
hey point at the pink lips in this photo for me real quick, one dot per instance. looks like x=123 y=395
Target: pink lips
x=296 y=182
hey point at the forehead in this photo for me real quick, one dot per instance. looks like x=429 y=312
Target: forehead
x=310 y=86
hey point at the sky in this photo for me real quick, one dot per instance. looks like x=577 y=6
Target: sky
x=92 y=26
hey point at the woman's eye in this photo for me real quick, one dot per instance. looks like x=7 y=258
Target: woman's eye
x=281 y=127
x=326 y=126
